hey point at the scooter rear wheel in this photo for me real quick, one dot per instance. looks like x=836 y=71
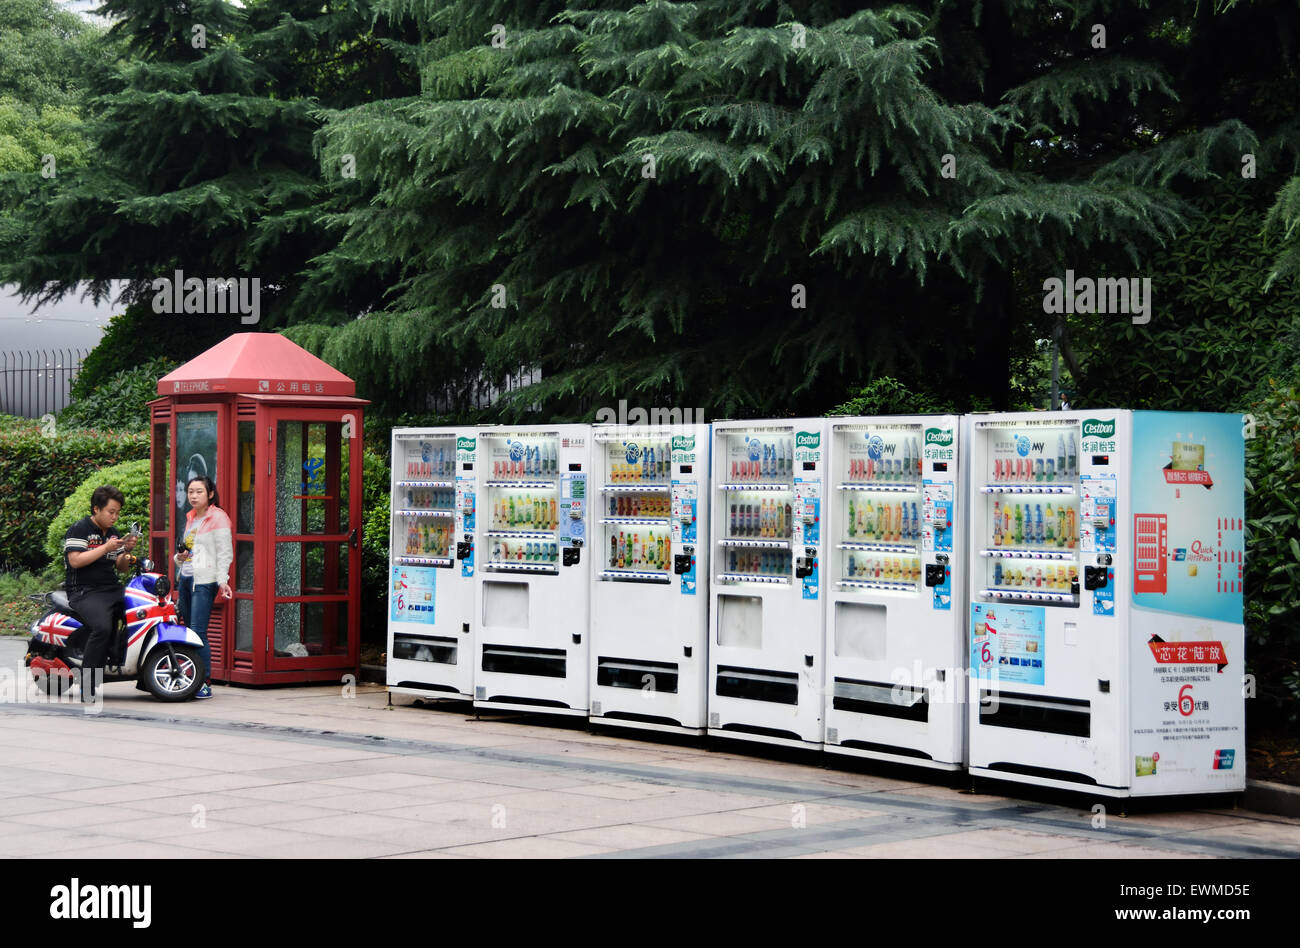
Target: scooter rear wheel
x=169 y=680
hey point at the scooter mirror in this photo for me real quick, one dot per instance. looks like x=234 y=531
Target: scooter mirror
x=146 y=565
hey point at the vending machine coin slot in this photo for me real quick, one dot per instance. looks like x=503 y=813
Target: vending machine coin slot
x=1094 y=577
x=935 y=573
x=681 y=563
x=571 y=555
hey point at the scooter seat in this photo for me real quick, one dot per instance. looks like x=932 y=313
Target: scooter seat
x=59 y=599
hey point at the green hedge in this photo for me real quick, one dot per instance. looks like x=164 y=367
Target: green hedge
x=374 y=548
x=1273 y=554
x=40 y=465
x=131 y=478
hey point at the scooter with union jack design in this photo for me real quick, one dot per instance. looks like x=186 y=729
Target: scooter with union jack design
x=149 y=645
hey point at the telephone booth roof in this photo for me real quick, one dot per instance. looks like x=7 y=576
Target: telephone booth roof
x=256 y=363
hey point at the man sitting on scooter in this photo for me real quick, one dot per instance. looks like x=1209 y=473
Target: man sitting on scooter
x=91 y=549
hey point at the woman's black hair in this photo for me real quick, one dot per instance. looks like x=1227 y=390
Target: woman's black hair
x=208 y=485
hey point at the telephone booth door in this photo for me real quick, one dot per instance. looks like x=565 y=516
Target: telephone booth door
x=310 y=510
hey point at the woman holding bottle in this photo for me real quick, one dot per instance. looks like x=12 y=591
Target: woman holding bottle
x=203 y=565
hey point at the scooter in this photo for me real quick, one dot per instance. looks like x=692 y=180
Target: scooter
x=149 y=645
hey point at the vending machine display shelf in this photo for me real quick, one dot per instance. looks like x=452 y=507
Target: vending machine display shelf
x=518 y=485
x=752 y=578
x=901 y=548
x=426 y=483
x=416 y=512
x=1029 y=554
x=408 y=560
x=639 y=521
x=913 y=487
x=877 y=584
x=760 y=485
x=632 y=487
x=773 y=544
x=636 y=575
x=1024 y=595
x=522 y=534
x=1027 y=489
x=522 y=568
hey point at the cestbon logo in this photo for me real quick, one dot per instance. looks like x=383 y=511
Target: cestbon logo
x=940 y=436
x=683 y=442
x=1022 y=446
x=632 y=452
x=807 y=439
x=1096 y=428
x=466 y=444
x=516 y=450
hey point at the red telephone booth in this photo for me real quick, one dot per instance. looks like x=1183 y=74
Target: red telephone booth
x=279 y=432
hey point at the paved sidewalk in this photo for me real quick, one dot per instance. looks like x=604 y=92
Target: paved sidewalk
x=317 y=772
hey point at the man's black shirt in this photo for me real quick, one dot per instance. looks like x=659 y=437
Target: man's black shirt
x=99 y=575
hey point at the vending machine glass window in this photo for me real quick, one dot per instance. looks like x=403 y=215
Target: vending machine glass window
x=522 y=504
x=636 y=514
x=759 y=513
x=424 y=498
x=1032 y=520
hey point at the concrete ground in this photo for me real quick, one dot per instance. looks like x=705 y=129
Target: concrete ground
x=329 y=772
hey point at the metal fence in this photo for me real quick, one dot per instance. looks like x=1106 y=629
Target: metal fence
x=35 y=382
x=483 y=392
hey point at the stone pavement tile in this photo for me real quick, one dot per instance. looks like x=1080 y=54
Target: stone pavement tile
x=353 y=801
x=78 y=816
x=127 y=794
x=623 y=790
x=359 y=825
x=530 y=848
x=130 y=771
x=172 y=828
x=50 y=784
x=497 y=819
x=179 y=802
x=1179 y=821
x=629 y=836
x=243 y=840
x=266 y=813
x=928 y=847
x=217 y=782
x=945 y=794
x=829 y=854
x=48 y=842
x=531 y=778
x=383 y=780
x=325 y=754
x=731 y=823
x=810 y=813
x=307 y=791
x=428 y=854
x=1256 y=831
x=152 y=849
x=1111 y=851
x=1016 y=841
x=12 y=807
x=9 y=828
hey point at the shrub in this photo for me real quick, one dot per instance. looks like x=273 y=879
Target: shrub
x=121 y=401
x=130 y=477
x=376 y=494
x=1273 y=553
x=39 y=468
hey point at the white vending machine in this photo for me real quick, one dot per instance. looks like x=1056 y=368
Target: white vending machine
x=431 y=570
x=1106 y=601
x=895 y=609
x=533 y=575
x=649 y=573
x=766 y=668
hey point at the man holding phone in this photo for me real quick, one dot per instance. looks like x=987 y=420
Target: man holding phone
x=93 y=551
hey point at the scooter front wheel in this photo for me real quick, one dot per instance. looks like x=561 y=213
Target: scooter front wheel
x=174 y=674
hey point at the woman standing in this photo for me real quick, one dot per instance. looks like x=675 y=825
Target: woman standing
x=203 y=565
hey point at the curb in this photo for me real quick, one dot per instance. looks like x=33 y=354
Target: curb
x=1279 y=799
